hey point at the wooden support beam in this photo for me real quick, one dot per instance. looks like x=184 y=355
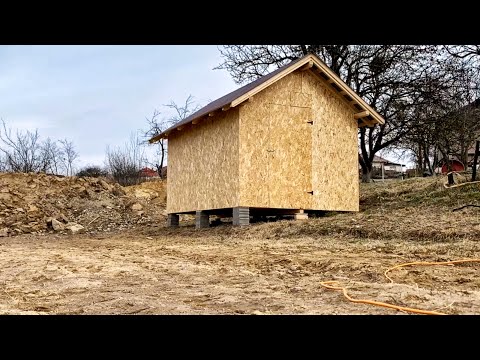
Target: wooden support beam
x=343 y=92
x=307 y=66
x=362 y=124
x=241 y=216
x=196 y=121
x=246 y=101
x=225 y=108
x=202 y=220
x=211 y=114
x=361 y=114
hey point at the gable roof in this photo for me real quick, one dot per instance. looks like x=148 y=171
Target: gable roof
x=366 y=115
x=379 y=159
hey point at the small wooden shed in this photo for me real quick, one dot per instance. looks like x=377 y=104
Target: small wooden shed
x=283 y=144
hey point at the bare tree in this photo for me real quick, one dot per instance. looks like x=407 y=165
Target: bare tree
x=50 y=157
x=393 y=79
x=22 y=151
x=456 y=131
x=3 y=163
x=182 y=111
x=156 y=125
x=464 y=51
x=124 y=163
x=449 y=125
x=69 y=156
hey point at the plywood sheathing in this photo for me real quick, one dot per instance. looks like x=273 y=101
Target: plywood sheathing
x=275 y=147
x=203 y=169
x=335 y=149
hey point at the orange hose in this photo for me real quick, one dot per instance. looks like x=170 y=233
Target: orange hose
x=378 y=303
x=325 y=284
x=427 y=263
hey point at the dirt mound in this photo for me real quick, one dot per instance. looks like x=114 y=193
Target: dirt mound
x=154 y=191
x=39 y=203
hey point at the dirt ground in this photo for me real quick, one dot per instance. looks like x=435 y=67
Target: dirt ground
x=266 y=268
x=228 y=272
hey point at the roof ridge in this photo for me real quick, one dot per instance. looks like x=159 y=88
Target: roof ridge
x=235 y=97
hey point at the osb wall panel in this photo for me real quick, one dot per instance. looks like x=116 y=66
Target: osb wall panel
x=254 y=155
x=275 y=147
x=203 y=165
x=335 y=150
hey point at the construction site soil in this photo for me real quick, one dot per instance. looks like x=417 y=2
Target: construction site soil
x=112 y=254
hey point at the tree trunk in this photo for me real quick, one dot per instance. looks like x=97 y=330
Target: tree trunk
x=465 y=158
x=420 y=158
x=366 y=175
x=435 y=161
x=450 y=179
x=162 y=159
x=449 y=172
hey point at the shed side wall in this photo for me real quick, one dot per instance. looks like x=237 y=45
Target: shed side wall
x=203 y=165
x=335 y=177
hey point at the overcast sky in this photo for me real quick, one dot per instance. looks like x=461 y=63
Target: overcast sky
x=98 y=95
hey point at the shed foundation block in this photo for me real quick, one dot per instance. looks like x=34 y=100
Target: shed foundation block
x=301 y=215
x=202 y=220
x=241 y=216
x=173 y=220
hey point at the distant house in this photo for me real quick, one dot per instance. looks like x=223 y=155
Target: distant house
x=471 y=155
x=390 y=168
x=148 y=173
x=456 y=166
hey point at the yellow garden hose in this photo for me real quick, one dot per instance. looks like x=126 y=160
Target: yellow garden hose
x=330 y=285
x=428 y=263
x=377 y=303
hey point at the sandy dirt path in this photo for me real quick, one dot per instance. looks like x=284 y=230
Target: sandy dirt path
x=184 y=272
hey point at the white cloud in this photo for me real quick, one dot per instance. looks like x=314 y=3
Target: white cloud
x=83 y=161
